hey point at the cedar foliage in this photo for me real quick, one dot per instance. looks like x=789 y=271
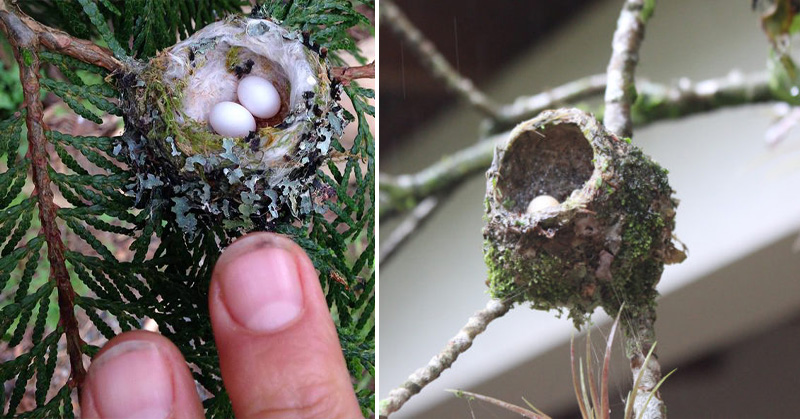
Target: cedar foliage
x=171 y=284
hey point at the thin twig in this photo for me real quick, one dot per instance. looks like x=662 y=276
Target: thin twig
x=620 y=91
x=458 y=345
x=434 y=61
x=407 y=228
x=656 y=102
x=347 y=74
x=525 y=108
x=25 y=43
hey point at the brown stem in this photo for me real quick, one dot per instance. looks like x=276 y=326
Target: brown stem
x=25 y=43
x=347 y=74
x=64 y=43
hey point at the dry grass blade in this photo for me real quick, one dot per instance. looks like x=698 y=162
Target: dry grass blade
x=534 y=408
x=525 y=413
x=575 y=382
x=590 y=407
x=590 y=370
x=605 y=407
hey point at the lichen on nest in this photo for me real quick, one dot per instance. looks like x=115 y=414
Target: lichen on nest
x=203 y=178
x=607 y=241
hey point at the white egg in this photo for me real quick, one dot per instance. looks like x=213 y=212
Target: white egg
x=259 y=97
x=231 y=119
x=541 y=202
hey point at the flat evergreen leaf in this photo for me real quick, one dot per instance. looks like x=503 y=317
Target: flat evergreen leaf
x=43 y=375
x=98 y=20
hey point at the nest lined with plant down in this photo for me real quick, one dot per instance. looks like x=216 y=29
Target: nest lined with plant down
x=607 y=240
x=266 y=177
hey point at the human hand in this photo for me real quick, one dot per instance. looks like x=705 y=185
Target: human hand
x=279 y=351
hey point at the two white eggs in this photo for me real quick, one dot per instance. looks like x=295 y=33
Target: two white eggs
x=258 y=98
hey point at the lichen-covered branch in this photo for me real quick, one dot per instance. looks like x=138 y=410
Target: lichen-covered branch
x=402 y=192
x=527 y=107
x=639 y=339
x=434 y=61
x=64 y=43
x=619 y=98
x=621 y=90
x=347 y=74
x=658 y=102
x=655 y=102
x=25 y=43
x=458 y=345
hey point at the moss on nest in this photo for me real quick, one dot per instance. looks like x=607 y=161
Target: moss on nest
x=605 y=243
x=204 y=178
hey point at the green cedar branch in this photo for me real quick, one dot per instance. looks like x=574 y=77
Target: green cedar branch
x=25 y=43
x=445 y=359
x=621 y=90
x=435 y=62
x=655 y=102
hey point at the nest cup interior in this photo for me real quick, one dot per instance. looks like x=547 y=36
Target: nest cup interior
x=215 y=81
x=553 y=160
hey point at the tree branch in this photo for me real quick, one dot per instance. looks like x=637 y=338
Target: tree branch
x=619 y=98
x=455 y=347
x=640 y=337
x=25 y=43
x=64 y=43
x=402 y=192
x=347 y=74
x=434 y=61
x=655 y=102
x=525 y=108
x=621 y=90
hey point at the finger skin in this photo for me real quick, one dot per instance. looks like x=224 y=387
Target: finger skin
x=174 y=375
x=296 y=371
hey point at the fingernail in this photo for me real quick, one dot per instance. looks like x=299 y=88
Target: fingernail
x=261 y=287
x=132 y=380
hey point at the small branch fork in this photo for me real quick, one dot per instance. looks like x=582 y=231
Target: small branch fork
x=26 y=43
x=436 y=63
x=457 y=345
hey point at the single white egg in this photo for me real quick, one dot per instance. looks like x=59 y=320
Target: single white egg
x=231 y=119
x=541 y=202
x=259 y=97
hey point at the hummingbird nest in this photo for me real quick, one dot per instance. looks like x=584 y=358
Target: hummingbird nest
x=602 y=236
x=203 y=178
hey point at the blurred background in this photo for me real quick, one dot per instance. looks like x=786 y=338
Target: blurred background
x=729 y=316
